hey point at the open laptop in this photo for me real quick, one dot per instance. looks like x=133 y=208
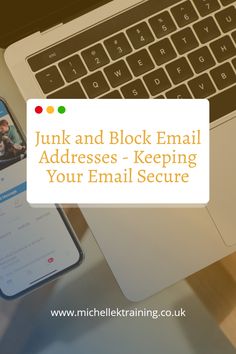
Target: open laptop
x=140 y=49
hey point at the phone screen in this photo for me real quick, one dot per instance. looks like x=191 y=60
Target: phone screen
x=36 y=244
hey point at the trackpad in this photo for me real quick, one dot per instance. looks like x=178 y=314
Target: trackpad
x=222 y=204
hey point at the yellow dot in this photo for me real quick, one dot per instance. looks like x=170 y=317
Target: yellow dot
x=50 y=109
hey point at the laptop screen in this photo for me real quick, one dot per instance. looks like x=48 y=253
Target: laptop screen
x=22 y=18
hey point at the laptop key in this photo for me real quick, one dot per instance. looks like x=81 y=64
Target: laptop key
x=179 y=92
x=184 y=13
x=205 y=7
x=218 y=109
x=201 y=59
x=72 y=68
x=95 y=57
x=140 y=35
x=184 y=40
x=223 y=48
x=95 y=85
x=179 y=70
x=223 y=76
x=206 y=30
x=49 y=79
x=162 y=51
x=118 y=46
x=202 y=86
x=118 y=73
x=162 y=24
x=140 y=62
x=112 y=94
x=157 y=81
x=227 y=19
x=72 y=91
x=135 y=89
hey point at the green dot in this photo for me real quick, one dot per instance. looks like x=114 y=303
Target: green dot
x=61 y=109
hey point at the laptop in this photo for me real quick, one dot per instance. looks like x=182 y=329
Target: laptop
x=140 y=49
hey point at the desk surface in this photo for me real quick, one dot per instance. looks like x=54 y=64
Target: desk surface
x=93 y=285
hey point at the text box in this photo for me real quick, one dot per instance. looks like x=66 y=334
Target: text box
x=118 y=151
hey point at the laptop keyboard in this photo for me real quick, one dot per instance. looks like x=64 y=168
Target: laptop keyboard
x=186 y=50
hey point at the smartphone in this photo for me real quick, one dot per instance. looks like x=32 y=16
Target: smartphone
x=36 y=244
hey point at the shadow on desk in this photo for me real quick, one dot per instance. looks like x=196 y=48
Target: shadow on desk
x=87 y=291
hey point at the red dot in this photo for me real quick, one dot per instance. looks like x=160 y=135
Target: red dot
x=38 y=109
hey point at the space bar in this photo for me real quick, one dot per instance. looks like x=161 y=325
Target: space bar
x=223 y=103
